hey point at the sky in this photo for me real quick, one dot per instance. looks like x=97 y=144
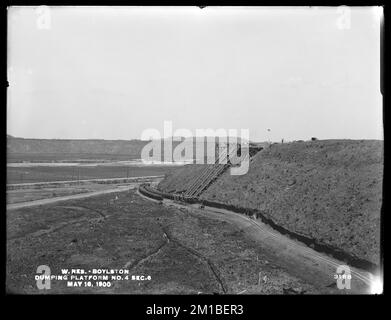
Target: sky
x=112 y=72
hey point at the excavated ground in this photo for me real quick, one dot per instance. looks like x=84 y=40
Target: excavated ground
x=182 y=252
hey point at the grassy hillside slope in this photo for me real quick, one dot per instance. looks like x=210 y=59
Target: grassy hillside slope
x=328 y=190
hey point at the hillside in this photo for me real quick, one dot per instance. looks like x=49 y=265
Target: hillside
x=328 y=190
x=21 y=149
x=57 y=146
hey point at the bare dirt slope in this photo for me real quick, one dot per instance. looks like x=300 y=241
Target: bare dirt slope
x=328 y=190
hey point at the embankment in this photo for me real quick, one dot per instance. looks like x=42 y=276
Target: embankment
x=329 y=191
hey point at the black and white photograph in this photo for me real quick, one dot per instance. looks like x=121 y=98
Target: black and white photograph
x=185 y=150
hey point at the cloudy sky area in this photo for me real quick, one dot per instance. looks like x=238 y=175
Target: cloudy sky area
x=110 y=73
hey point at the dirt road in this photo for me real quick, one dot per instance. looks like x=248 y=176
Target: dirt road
x=70 y=197
x=81 y=182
